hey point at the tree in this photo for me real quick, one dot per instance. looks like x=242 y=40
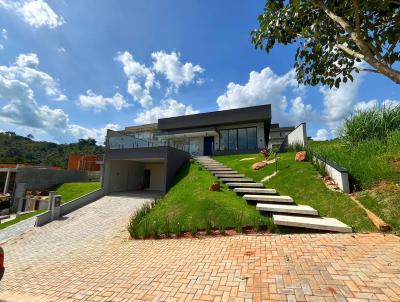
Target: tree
x=335 y=38
x=30 y=136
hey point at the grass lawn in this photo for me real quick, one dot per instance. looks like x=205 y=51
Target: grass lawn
x=69 y=191
x=190 y=203
x=375 y=172
x=72 y=190
x=301 y=181
x=20 y=218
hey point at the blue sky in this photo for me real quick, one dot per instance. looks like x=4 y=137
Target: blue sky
x=71 y=69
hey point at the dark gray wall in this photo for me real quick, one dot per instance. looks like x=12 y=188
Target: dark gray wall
x=175 y=160
x=217 y=118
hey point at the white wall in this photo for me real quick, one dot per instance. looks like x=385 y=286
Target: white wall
x=298 y=135
x=157 y=176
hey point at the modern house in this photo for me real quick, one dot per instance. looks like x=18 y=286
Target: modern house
x=148 y=156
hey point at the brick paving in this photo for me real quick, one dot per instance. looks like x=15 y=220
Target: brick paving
x=87 y=257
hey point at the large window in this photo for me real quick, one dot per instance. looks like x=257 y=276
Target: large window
x=238 y=139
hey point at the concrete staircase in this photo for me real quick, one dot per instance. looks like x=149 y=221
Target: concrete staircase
x=284 y=211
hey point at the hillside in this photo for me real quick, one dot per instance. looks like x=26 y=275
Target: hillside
x=24 y=150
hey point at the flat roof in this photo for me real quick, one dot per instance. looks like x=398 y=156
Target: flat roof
x=260 y=113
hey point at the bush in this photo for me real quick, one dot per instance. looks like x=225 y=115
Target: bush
x=136 y=220
x=375 y=123
x=296 y=147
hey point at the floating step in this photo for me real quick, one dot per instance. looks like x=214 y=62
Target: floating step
x=215 y=166
x=245 y=184
x=229 y=175
x=241 y=179
x=316 y=223
x=219 y=169
x=268 y=198
x=226 y=172
x=255 y=190
x=288 y=209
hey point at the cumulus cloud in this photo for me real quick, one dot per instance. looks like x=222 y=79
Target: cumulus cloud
x=100 y=103
x=140 y=78
x=322 y=135
x=176 y=73
x=36 y=13
x=167 y=108
x=19 y=85
x=390 y=103
x=265 y=87
x=27 y=60
x=362 y=106
x=25 y=70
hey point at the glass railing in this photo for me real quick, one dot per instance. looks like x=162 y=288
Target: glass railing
x=131 y=141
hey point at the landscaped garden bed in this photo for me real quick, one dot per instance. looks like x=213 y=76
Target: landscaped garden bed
x=191 y=209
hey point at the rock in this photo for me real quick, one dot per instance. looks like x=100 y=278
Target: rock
x=327 y=178
x=259 y=165
x=216 y=186
x=301 y=156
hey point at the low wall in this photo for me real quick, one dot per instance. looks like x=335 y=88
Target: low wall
x=297 y=137
x=77 y=203
x=70 y=206
x=339 y=174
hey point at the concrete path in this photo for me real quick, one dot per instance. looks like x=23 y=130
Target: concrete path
x=87 y=257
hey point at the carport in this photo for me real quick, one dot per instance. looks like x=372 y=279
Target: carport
x=133 y=169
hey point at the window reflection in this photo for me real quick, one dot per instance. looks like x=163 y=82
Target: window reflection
x=238 y=139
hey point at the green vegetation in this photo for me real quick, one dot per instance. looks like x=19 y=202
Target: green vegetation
x=23 y=150
x=374 y=123
x=369 y=148
x=20 y=218
x=301 y=181
x=368 y=162
x=72 y=190
x=190 y=206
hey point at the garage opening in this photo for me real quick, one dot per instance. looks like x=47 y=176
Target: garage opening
x=134 y=175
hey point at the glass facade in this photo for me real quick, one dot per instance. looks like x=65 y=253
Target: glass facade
x=238 y=139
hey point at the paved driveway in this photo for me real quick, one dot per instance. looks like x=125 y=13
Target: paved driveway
x=88 y=257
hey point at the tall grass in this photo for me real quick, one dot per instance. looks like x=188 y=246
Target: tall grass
x=374 y=123
x=368 y=161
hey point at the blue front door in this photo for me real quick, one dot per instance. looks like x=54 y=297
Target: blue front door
x=208 y=145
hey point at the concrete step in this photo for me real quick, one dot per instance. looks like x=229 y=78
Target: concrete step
x=316 y=223
x=245 y=184
x=229 y=175
x=227 y=172
x=255 y=190
x=268 y=198
x=219 y=169
x=230 y=179
x=214 y=166
x=288 y=209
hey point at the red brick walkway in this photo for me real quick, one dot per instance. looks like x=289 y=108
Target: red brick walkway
x=85 y=257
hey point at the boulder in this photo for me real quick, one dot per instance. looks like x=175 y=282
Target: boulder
x=259 y=165
x=216 y=186
x=301 y=156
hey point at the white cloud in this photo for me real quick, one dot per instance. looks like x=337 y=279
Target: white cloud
x=265 y=87
x=362 y=106
x=25 y=70
x=140 y=79
x=390 y=103
x=100 y=103
x=61 y=50
x=99 y=134
x=27 y=60
x=167 y=108
x=36 y=13
x=322 y=135
x=3 y=38
x=175 y=72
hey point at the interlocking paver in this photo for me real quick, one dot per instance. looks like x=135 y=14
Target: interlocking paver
x=87 y=257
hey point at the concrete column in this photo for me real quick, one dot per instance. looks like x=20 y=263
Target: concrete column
x=7 y=182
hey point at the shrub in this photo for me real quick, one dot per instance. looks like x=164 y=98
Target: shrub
x=373 y=123
x=296 y=147
x=257 y=223
x=238 y=218
x=136 y=219
x=192 y=226
x=178 y=229
x=209 y=222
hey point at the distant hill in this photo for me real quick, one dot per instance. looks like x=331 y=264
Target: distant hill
x=16 y=149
